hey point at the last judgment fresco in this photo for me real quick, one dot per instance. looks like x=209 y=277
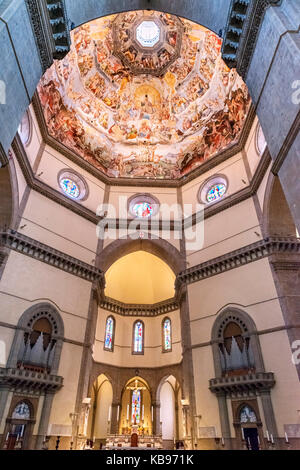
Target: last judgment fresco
x=144 y=94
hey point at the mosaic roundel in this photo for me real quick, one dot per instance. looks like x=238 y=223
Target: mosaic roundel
x=144 y=94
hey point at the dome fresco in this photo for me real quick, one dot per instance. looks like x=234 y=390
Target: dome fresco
x=144 y=94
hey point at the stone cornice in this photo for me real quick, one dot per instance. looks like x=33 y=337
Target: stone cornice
x=56 y=196
x=29 y=381
x=241 y=32
x=139 y=310
x=237 y=384
x=50 y=27
x=41 y=252
x=46 y=190
x=206 y=166
x=3 y=157
x=238 y=258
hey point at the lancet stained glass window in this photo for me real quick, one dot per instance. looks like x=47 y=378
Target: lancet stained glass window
x=109 y=333
x=167 y=335
x=138 y=337
x=136 y=407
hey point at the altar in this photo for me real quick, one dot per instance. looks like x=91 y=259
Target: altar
x=133 y=441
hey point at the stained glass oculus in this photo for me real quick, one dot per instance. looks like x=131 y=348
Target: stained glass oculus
x=109 y=331
x=167 y=334
x=72 y=185
x=142 y=210
x=216 y=192
x=138 y=337
x=147 y=33
x=70 y=188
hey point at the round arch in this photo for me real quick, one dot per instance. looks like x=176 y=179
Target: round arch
x=277 y=217
x=243 y=319
x=27 y=319
x=156 y=246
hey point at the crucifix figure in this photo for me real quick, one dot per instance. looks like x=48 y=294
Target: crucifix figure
x=136 y=401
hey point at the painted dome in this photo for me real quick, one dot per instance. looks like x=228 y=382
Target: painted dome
x=144 y=94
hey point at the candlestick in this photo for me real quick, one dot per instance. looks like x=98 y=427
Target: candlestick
x=268 y=436
x=243 y=435
x=249 y=444
x=286 y=438
x=222 y=440
x=272 y=440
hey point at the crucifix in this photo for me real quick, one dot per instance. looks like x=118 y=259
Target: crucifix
x=135 y=389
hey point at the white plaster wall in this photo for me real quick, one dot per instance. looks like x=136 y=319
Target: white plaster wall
x=56 y=226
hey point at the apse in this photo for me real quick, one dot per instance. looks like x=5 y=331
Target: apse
x=140 y=278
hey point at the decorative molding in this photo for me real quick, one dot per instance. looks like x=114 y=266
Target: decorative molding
x=238 y=258
x=46 y=190
x=41 y=252
x=142 y=182
x=56 y=196
x=3 y=157
x=286 y=265
x=239 y=384
x=49 y=23
x=29 y=381
x=241 y=32
x=139 y=310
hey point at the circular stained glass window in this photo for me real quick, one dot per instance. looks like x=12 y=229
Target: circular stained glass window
x=216 y=192
x=24 y=129
x=70 y=188
x=72 y=185
x=143 y=210
x=213 y=189
x=147 y=33
x=143 y=206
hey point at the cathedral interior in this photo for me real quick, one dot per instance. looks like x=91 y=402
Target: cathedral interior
x=149 y=225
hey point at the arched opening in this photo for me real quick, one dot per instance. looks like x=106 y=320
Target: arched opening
x=135 y=416
x=140 y=278
x=100 y=411
x=171 y=416
x=278 y=220
x=19 y=425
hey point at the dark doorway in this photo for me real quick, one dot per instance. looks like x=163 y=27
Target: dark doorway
x=134 y=440
x=251 y=437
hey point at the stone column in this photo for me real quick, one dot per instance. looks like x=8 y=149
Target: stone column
x=269 y=415
x=86 y=359
x=188 y=385
x=15 y=348
x=114 y=425
x=4 y=393
x=44 y=420
x=285 y=270
x=224 y=418
x=156 y=418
